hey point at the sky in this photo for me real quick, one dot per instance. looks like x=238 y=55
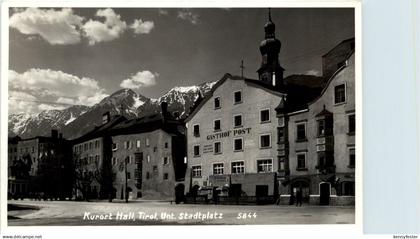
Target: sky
x=60 y=57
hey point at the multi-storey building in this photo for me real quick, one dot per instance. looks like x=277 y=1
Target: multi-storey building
x=267 y=139
x=148 y=156
x=231 y=139
x=92 y=159
x=319 y=151
x=33 y=160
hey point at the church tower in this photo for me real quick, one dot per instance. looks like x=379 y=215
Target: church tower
x=270 y=71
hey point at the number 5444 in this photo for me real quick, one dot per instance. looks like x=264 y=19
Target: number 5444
x=246 y=215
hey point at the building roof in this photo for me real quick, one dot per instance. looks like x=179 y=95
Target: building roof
x=100 y=130
x=147 y=123
x=256 y=83
x=347 y=41
x=13 y=140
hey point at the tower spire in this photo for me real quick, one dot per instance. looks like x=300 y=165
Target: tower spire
x=270 y=71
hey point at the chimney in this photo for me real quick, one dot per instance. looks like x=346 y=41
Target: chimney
x=106 y=117
x=54 y=133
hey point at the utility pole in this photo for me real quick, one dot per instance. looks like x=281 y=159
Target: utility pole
x=242 y=68
x=125 y=168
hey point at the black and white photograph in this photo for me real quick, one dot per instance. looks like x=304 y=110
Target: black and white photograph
x=130 y=116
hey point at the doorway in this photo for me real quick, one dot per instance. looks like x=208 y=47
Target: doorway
x=324 y=193
x=303 y=186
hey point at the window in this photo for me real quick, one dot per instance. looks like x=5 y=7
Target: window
x=147 y=175
x=217 y=103
x=301 y=132
x=196 y=130
x=265 y=116
x=217 y=147
x=196 y=171
x=114 y=146
x=127 y=144
x=237 y=98
x=85 y=146
x=321 y=127
x=237 y=121
x=165 y=160
x=301 y=161
x=148 y=158
x=130 y=159
x=238 y=167
x=265 y=165
x=155 y=169
x=147 y=142
x=165 y=176
x=196 y=150
x=138 y=143
x=128 y=175
x=280 y=135
x=166 y=145
x=237 y=144
x=90 y=145
x=97 y=159
x=352 y=124
x=352 y=157
x=340 y=94
x=218 y=168
x=265 y=141
x=217 y=126
x=154 y=149
x=281 y=164
x=114 y=161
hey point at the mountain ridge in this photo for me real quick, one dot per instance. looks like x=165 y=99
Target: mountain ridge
x=76 y=120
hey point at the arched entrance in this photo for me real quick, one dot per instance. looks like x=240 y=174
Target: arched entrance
x=179 y=193
x=303 y=186
x=324 y=193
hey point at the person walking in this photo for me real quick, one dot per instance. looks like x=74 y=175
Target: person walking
x=299 y=198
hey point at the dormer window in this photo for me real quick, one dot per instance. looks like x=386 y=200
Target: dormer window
x=237 y=98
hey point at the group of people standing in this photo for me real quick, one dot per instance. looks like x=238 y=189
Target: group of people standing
x=296 y=199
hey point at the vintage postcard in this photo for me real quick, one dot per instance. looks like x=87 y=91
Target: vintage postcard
x=208 y=115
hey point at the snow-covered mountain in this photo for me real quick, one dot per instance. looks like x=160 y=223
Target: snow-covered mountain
x=27 y=125
x=77 y=120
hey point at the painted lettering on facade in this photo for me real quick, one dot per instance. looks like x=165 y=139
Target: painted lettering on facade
x=225 y=134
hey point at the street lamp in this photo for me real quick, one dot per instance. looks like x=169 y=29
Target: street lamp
x=126 y=179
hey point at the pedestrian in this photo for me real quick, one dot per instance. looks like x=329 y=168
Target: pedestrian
x=292 y=199
x=299 y=198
